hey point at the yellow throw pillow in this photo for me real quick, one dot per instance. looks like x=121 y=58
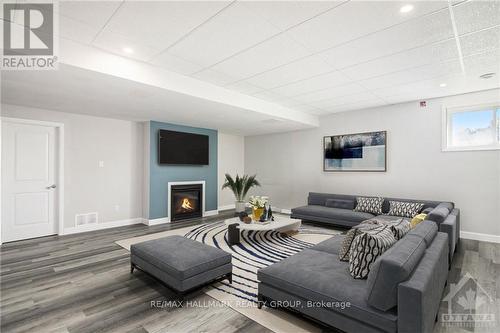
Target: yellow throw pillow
x=417 y=219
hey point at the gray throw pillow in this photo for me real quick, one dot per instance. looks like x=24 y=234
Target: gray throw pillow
x=369 y=205
x=340 y=203
x=367 y=247
x=439 y=213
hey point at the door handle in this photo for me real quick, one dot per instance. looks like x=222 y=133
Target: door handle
x=51 y=186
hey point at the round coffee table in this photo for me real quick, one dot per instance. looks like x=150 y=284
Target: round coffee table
x=282 y=224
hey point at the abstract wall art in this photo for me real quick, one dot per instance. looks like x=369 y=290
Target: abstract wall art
x=355 y=152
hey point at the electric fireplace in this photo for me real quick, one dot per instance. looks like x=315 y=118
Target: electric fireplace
x=186 y=201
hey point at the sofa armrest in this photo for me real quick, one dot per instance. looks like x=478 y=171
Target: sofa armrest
x=456 y=212
x=450 y=227
x=419 y=297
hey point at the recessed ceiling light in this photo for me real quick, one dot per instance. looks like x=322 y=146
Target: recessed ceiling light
x=442 y=85
x=487 y=75
x=128 y=50
x=406 y=8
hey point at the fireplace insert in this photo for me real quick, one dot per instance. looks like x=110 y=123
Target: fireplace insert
x=186 y=202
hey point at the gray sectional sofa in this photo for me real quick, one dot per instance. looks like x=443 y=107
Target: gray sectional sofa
x=337 y=210
x=402 y=292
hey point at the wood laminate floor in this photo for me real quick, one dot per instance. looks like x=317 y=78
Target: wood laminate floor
x=82 y=283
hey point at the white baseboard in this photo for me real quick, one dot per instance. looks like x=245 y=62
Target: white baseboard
x=161 y=220
x=281 y=210
x=211 y=213
x=286 y=211
x=226 y=207
x=101 y=225
x=480 y=237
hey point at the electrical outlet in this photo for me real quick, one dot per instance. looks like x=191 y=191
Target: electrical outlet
x=101 y=164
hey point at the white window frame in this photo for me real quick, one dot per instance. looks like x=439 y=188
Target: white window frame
x=448 y=111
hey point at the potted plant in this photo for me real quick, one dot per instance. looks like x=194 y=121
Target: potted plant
x=240 y=187
x=258 y=204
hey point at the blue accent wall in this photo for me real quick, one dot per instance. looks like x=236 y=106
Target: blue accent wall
x=160 y=175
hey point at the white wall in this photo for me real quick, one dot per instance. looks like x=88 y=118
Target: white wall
x=114 y=191
x=231 y=159
x=290 y=164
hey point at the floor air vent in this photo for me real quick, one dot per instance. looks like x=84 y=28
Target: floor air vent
x=82 y=219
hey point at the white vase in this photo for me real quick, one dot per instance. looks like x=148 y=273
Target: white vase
x=239 y=206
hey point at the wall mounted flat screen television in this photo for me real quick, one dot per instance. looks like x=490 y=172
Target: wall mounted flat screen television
x=182 y=148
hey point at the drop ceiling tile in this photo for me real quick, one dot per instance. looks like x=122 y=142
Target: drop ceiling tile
x=420 y=73
x=114 y=43
x=161 y=23
x=425 y=89
x=475 y=15
x=342 y=24
x=347 y=99
x=330 y=93
x=76 y=30
x=488 y=62
x=480 y=41
x=94 y=14
x=410 y=34
x=175 y=64
x=274 y=52
x=292 y=72
x=213 y=76
x=232 y=30
x=405 y=60
x=332 y=79
x=244 y=87
x=284 y=14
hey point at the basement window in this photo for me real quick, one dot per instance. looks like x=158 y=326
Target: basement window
x=471 y=128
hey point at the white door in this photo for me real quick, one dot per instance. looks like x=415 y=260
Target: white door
x=28 y=181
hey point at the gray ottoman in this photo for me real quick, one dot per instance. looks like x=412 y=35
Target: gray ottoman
x=181 y=263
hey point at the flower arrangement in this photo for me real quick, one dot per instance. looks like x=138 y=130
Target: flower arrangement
x=257 y=201
x=258 y=204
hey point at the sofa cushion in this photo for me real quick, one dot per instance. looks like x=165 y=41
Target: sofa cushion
x=180 y=257
x=331 y=245
x=332 y=213
x=392 y=268
x=439 y=213
x=340 y=203
x=426 y=230
x=319 y=276
x=369 y=205
x=367 y=247
x=404 y=209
